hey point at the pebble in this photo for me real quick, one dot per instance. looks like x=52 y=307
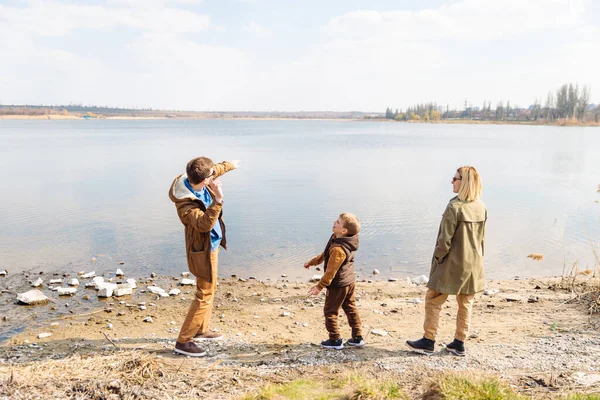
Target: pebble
x=38 y=282
x=392 y=279
x=44 y=335
x=155 y=289
x=420 y=280
x=415 y=301
x=74 y=282
x=148 y=319
x=379 y=332
x=186 y=281
x=490 y=292
x=109 y=326
x=55 y=281
x=375 y=272
x=174 y=292
x=3 y=272
x=153 y=275
x=316 y=278
x=142 y=308
x=119 y=272
x=88 y=275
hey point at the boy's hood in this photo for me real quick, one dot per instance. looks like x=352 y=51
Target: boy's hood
x=179 y=192
x=349 y=242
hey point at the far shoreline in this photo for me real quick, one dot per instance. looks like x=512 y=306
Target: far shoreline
x=54 y=117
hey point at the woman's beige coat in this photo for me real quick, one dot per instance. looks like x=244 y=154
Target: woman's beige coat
x=457 y=264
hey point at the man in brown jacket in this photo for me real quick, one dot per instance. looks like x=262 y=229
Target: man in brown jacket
x=198 y=197
x=339 y=281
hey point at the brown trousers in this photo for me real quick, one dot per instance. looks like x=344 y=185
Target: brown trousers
x=433 y=305
x=198 y=317
x=334 y=299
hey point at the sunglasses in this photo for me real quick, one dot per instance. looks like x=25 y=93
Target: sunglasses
x=454 y=179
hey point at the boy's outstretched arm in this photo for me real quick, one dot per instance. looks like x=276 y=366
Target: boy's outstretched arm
x=315 y=261
x=225 y=166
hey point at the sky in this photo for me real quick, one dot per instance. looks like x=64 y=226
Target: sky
x=286 y=55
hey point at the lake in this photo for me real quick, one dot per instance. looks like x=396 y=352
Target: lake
x=77 y=189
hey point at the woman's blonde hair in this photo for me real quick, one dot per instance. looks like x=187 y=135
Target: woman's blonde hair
x=470 y=185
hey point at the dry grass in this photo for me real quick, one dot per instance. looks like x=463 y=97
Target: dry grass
x=468 y=386
x=536 y=256
x=125 y=376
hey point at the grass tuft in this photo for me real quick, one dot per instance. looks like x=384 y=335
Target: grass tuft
x=462 y=386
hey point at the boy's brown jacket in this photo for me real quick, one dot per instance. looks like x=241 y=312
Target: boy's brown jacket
x=199 y=221
x=339 y=261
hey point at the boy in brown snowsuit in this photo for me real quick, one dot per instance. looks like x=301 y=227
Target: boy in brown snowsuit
x=339 y=281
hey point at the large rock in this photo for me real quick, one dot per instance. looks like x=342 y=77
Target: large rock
x=122 y=291
x=102 y=285
x=105 y=292
x=74 y=282
x=132 y=283
x=67 y=291
x=187 y=281
x=32 y=297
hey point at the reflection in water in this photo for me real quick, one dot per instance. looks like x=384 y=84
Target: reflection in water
x=76 y=189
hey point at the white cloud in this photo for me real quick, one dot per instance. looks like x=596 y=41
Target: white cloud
x=51 y=18
x=257 y=29
x=363 y=60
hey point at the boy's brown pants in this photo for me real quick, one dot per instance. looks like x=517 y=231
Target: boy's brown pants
x=334 y=299
x=433 y=305
x=198 y=317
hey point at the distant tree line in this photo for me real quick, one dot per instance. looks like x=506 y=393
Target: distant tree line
x=570 y=103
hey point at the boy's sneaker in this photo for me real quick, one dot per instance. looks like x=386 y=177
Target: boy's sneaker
x=422 y=346
x=333 y=344
x=208 y=336
x=189 y=349
x=457 y=348
x=356 y=341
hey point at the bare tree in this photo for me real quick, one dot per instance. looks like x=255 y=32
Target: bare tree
x=582 y=103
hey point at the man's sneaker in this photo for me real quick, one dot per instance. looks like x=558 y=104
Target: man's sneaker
x=457 y=348
x=356 y=341
x=208 y=336
x=333 y=344
x=422 y=346
x=189 y=349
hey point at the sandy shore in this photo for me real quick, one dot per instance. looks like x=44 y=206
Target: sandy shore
x=539 y=338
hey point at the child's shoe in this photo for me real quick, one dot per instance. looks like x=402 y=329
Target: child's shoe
x=457 y=348
x=423 y=346
x=333 y=344
x=356 y=341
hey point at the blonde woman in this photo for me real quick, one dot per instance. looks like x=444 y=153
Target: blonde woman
x=457 y=264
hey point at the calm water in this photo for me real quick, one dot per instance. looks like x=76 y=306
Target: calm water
x=73 y=190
